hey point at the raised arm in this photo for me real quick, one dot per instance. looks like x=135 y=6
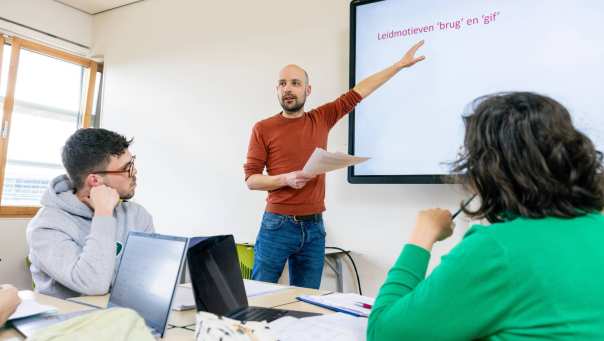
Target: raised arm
x=371 y=83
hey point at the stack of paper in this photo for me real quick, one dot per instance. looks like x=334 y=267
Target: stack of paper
x=332 y=327
x=30 y=307
x=352 y=304
x=257 y=288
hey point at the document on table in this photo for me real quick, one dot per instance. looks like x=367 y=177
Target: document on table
x=184 y=300
x=331 y=327
x=322 y=161
x=29 y=307
x=349 y=303
x=257 y=288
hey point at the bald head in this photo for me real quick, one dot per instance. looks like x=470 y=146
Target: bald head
x=294 y=70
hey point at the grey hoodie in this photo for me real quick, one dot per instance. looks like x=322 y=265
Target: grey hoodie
x=73 y=253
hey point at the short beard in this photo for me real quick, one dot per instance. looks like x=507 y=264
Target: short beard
x=293 y=109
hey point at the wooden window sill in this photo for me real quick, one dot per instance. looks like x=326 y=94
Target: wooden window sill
x=18 y=212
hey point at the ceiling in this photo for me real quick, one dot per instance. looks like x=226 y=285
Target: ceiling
x=96 y=6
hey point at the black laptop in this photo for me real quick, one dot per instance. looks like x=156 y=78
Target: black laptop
x=218 y=285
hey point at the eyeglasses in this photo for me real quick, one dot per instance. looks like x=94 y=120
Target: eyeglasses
x=128 y=168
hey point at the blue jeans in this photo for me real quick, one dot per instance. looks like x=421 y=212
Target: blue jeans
x=281 y=239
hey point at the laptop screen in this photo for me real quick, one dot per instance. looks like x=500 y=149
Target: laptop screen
x=215 y=275
x=147 y=276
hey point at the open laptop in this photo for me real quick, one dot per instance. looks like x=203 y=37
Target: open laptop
x=145 y=282
x=218 y=285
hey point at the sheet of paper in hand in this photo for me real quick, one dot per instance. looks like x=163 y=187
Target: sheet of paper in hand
x=322 y=161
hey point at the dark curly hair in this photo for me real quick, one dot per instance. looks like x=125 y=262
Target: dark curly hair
x=90 y=149
x=524 y=157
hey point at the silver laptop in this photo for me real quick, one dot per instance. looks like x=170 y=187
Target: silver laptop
x=145 y=282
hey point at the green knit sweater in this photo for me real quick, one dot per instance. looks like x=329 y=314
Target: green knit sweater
x=523 y=279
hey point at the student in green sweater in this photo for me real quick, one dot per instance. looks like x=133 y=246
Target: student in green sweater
x=537 y=272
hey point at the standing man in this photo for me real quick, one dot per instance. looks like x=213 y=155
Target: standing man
x=292 y=226
x=76 y=238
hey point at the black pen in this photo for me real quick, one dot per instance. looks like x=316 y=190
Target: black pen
x=463 y=206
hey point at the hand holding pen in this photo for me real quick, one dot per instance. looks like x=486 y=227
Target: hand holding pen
x=434 y=225
x=464 y=205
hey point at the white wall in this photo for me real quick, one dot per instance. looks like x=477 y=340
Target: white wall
x=50 y=17
x=189 y=78
x=13 y=250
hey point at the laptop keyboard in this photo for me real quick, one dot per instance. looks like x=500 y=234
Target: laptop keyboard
x=258 y=314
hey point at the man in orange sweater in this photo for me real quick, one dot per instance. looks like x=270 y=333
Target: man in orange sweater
x=292 y=226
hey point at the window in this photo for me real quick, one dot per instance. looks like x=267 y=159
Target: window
x=46 y=94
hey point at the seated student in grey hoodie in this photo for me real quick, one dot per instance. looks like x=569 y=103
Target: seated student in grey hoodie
x=75 y=240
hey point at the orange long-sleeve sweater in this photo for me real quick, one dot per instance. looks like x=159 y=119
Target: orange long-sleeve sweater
x=283 y=145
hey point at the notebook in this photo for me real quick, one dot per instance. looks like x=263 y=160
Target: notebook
x=352 y=304
x=29 y=307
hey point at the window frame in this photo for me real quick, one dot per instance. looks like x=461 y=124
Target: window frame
x=91 y=67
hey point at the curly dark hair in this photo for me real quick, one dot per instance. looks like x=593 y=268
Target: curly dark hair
x=90 y=149
x=524 y=157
